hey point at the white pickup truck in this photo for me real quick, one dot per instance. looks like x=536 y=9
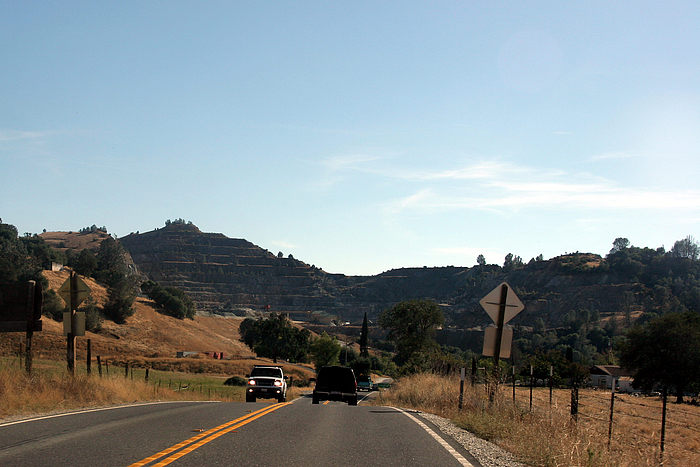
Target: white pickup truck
x=267 y=382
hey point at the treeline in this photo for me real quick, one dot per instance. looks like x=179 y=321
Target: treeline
x=275 y=337
x=660 y=281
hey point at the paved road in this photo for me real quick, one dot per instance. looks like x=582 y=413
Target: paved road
x=197 y=434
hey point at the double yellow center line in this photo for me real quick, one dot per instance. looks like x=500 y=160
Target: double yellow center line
x=195 y=442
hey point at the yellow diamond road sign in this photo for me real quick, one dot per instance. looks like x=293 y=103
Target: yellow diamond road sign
x=492 y=301
x=82 y=292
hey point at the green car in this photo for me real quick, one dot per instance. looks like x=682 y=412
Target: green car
x=364 y=383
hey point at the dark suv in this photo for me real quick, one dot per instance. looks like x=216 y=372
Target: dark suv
x=335 y=383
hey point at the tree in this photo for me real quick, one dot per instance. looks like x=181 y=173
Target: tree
x=480 y=260
x=686 y=248
x=512 y=262
x=275 y=337
x=665 y=351
x=325 y=350
x=619 y=244
x=120 y=298
x=411 y=326
x=86 y=263
x=364 y=338
x=13 y=256
x=93 y=318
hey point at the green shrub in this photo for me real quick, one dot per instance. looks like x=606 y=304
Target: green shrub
x=236 y=381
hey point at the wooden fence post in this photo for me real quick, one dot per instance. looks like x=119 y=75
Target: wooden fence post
x=612 y=408
x=89 y=357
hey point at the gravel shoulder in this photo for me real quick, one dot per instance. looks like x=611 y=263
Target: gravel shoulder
x=488 y=454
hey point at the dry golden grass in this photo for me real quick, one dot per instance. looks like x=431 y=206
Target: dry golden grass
x=49 y=391
x=547 y=436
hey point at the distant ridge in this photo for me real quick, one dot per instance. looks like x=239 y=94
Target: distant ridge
x=232 y=276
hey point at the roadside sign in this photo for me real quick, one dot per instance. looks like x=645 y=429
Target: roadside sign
x=491 y=303
x=490 y=337
x=75 y=324
x=20 y=307
x=81 y=293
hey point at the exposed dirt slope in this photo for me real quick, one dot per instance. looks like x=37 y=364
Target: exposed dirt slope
x=147 y=334
x=75 y=241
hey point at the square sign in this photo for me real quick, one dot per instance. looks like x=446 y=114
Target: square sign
x=492 y=302
x=490 y=338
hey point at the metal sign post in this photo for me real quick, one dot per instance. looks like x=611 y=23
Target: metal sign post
x=501 y=306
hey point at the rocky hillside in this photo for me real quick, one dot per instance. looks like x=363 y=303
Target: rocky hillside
x=223 y=275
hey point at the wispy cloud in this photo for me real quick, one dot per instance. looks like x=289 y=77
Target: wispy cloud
x=612 y=155
x=284 y=244
x=497 y=185
x=349 y=162
x=15 y=135
x=554 y=196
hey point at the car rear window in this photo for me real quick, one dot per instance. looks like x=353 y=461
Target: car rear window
x=336 y=378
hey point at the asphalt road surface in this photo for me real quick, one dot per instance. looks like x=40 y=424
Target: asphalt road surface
x=296 y=433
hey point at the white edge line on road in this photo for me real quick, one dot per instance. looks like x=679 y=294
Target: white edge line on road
x=27 y=420
x=439 y=439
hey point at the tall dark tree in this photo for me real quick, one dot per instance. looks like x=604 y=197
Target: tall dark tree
x=411 y=326
x=120 y=300
x=86 y=263
x=364 y=338
x=665 y=351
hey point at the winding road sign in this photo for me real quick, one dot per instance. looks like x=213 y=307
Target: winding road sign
x=81 y=293
x=492 y=301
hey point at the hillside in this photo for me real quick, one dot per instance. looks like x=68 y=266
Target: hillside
x=230 y=276
x=222 y=274
x=74 y=241
x=146 y=335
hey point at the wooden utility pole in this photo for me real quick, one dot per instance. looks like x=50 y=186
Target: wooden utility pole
x=70 y=337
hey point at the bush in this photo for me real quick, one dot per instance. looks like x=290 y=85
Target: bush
x=170 y=300
x=93 y=317
x=53 y=306
x=236 y=381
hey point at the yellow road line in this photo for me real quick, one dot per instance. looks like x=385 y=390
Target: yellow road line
x=214 y=432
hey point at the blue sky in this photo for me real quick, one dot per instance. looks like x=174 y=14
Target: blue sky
x=357 y=136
